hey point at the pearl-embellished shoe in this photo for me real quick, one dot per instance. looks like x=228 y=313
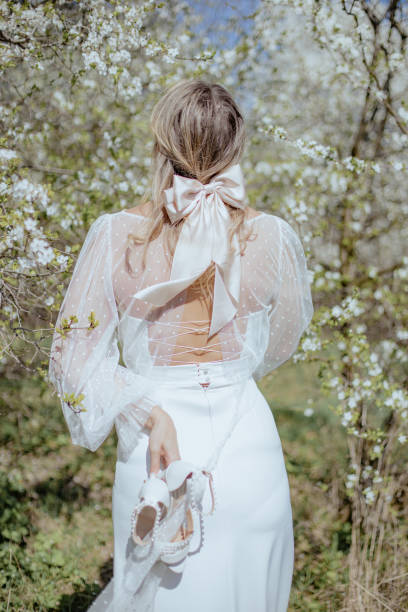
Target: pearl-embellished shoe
x=187 y=485
x=152 y=507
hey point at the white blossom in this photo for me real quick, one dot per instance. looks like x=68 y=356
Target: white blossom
x=369 y=495
x=41 y=251
x=30 y=224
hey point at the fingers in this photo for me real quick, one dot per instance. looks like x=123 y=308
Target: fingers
x=163 y=442
x=154 y=449
x=171 y=453
x=167 y=458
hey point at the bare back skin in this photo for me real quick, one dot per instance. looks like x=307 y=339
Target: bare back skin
x=197 y=314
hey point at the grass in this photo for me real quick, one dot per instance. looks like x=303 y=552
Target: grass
x=57 y=545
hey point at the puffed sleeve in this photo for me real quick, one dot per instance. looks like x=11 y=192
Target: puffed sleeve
x=95 y=391
x=291 y=308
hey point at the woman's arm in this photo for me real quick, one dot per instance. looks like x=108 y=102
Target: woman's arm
x=95 y=391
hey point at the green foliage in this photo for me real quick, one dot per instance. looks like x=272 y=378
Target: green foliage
x=93 y=322
x=66 y=325
x=55 y=515
x=74 y=401
x=14 y=509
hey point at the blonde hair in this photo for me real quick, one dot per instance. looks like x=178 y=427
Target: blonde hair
x=199 y=131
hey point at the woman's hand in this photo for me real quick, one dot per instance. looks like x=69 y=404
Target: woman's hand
x=163 y=442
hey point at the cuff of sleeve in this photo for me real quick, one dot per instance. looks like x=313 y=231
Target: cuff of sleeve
x=137 y=413
x=136 y=404
x=134 y=390
x=129 y=424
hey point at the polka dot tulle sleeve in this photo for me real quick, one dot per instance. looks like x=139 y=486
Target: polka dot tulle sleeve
x=291 y=307
x=96 y=392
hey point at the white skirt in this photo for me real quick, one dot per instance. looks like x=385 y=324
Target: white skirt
x=244 y=559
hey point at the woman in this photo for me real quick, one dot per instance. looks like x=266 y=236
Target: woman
x=204 y=295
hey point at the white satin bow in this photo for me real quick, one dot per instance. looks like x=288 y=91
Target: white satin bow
x=202 y=240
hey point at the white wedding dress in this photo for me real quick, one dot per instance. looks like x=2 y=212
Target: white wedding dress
x=241 y=559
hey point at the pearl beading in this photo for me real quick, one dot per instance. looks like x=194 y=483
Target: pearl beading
x=157 y=519
x=170 y=550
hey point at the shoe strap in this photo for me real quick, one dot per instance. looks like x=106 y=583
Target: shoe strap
x=177 y=472
x=154 y=490
x=197 y=496
x=211 y=485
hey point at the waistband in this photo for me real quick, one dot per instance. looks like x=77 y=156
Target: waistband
x=205 y=374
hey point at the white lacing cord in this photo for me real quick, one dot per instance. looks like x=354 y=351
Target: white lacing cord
x=213 y=460
x=211 y=465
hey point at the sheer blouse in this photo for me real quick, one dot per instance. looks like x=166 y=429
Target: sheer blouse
x=105 y=340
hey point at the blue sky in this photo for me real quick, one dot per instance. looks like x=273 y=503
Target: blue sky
x=216 y=14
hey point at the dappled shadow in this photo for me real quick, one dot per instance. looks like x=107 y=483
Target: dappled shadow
x=78 y=601
x=62 y=493
x=81 y=599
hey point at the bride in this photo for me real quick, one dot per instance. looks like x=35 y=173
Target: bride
x=174 y=310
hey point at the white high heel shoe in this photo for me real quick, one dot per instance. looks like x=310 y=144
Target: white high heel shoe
x=185 y=480
x=153 y=506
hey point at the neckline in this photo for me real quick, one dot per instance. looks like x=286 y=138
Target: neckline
x=261 y=214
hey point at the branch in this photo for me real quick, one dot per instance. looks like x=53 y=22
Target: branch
x=392 y=112
x=48 y=169
x=9 y=41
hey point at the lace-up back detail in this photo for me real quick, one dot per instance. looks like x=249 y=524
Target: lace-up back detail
x=192 y=342
x=177 y=333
